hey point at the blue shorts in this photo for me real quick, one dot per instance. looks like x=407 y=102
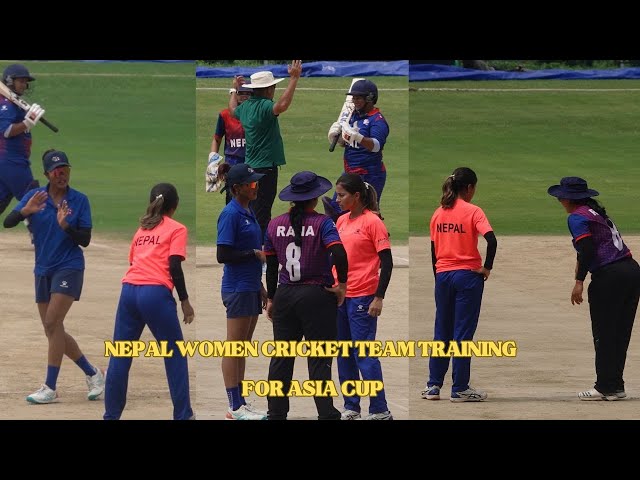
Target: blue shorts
x=67 y=282
x=242 y=304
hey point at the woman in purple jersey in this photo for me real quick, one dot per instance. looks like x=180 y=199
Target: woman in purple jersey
x=615 y=284
x=304 y=242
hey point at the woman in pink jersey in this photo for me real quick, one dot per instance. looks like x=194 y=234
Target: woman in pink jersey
x=157 y=250
x=366 y=240
x=460 y=276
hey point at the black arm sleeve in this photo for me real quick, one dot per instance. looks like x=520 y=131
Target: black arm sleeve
x=79 y=236
x=228 y=254
x=175 y=269
x=434 y=260
x=339 y=255
x=386 y=266
x=586 y=254
x=13 y=219
x=492 y=247
x=272 y=275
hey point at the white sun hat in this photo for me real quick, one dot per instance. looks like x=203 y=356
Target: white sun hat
x=262 y=80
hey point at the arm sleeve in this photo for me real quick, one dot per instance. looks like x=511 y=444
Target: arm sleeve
x=386 y=266
x=339 y=256
x=228 y=254
x=586 y=254
x=79 y=236
x=434 y=260
x=175 y=269
x=492 y=246
x=13 y=219
x=272 y=275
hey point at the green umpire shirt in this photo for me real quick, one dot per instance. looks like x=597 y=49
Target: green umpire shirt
x=264 y=147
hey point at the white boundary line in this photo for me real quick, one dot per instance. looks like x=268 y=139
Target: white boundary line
x=169 y=75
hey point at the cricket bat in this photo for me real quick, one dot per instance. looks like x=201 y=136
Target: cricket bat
x=7 y=92
x=345 y=113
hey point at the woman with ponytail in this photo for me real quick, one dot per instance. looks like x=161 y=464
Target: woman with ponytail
x=155 y=256
x=459 y=280
x=366 y=241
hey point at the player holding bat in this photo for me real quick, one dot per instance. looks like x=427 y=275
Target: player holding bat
x=363 y=135
x=16 y=177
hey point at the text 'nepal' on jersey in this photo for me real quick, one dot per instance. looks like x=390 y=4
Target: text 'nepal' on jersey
x=54 y=248
x=363 y=237
x=264 y=147
x=584 y=222
x=454 y=232
x=239 y=229
x=150 y=251
x=310 y=263
x=231 y=129
x=15 y=149
x=358 y=159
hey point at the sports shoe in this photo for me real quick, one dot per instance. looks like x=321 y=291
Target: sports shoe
x=468 y=395
x=96 y=384
x=431 y=392
x=249 y=406
x=243 y=413
x=350 y=415
x=379 y=416
x=43 y=395
x=593 y=394
x=621 y=394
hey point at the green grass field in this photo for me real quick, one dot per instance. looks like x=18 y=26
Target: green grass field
x=316 y=105
x=125 y=127
x=521 y=142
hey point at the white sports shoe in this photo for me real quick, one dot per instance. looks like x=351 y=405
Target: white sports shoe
x=96 y=384
x=350 y=415
x=243 y=413
x=379 y=416
x=43 y=395
x=594 y=394
x=249 y=406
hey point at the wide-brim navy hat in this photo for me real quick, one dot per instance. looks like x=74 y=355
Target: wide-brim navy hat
x=305 y=186
x=54 y=159
x=240 y=173
x=572 y=188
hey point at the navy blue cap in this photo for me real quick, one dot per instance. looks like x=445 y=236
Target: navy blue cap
x=54 y=159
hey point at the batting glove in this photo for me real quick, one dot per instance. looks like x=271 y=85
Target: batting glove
x=214 y=157
x=350 y=135
x=335 y=131
x=33 y=115
x=211 y=174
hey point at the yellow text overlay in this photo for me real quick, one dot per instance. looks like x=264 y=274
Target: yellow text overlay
x=311 y=388
x=325 y=348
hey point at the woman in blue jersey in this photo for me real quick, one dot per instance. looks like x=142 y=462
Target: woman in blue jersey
x=60 y=221
x=615 y=283
x=239 y=247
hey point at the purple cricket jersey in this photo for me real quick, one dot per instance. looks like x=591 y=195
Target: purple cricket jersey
x=310 y=263
x=608 y=243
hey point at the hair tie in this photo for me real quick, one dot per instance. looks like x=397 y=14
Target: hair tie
x=452 y=176
x=366 y=185
x=158 y=196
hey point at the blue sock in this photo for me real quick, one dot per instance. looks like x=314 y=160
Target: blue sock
x=86 y=367
x=233 y=394
x=242 y=400
x=52 y=376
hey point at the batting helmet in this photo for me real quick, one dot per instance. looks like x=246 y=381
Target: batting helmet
x=15 y=71
x=367 y=89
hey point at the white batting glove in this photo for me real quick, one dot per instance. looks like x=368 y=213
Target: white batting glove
x=211 y=175
x=214 y=157
x=351 y=135
x=33 y=115
x=335 y=131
